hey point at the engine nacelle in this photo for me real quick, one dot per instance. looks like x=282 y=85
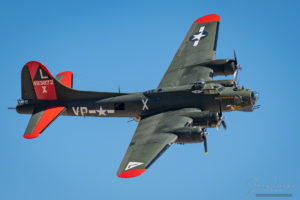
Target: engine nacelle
x=205 y=119
x=221 y=67
x=189 y=135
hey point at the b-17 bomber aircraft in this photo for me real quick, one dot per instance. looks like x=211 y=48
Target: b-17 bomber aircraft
x=186 y=102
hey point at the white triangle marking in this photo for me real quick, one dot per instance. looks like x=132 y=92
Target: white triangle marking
x=132 y=165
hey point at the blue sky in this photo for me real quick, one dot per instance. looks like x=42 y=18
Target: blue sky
x=107 y=44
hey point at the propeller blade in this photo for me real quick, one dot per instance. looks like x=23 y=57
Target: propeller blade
x=235 y=75
x=235 y=59
x=224 y=124
x=205 y=144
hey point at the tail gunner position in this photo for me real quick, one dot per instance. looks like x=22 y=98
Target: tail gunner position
x=186 y=102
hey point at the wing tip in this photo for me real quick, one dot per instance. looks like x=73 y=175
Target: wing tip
x=208 y=18
x=31 y=135
x=131 y=173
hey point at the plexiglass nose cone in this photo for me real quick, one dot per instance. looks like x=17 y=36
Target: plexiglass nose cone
x=254 y=97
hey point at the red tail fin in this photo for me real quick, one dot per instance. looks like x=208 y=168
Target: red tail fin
x=41 y=79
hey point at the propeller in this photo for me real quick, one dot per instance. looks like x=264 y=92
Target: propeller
x=237 y=66
x=221 y=119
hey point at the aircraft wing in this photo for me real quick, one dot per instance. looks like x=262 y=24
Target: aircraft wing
x=198 y=46
x=152 y=137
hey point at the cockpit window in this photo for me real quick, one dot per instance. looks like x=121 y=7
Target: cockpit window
x=149 y=91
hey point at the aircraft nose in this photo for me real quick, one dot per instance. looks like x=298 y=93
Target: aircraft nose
x=254 y=97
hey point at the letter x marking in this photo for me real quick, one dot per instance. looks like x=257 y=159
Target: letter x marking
x=145 y=101
x=44 y=89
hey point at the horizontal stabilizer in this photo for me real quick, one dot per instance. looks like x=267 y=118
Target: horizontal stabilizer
x=65 y=78
x=41 y=119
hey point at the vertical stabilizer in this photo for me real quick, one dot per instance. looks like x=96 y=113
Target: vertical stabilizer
x=37 y=82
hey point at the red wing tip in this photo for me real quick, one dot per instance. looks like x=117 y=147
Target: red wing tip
x=208 y=18
x=31 y=135
x=131 y=173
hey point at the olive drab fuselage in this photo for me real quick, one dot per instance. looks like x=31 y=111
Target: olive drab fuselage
x=137 y=105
